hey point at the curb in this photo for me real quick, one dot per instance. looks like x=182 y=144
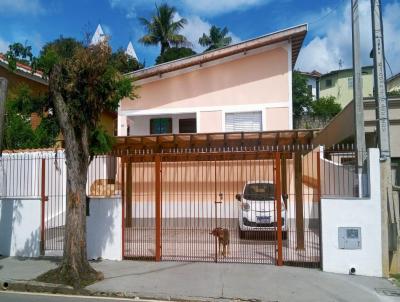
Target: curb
x=41 y=287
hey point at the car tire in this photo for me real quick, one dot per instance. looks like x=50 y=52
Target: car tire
x=284 y=235
x=242 y=234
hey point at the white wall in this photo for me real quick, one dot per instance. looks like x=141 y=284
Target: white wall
x=354 y=212
x=20 y=227
x=104 y=229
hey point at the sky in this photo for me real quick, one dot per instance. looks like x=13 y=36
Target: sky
x=327 y=45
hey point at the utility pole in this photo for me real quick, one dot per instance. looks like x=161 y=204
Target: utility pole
x=3 y=96
x=387 y=206
x=357 y=95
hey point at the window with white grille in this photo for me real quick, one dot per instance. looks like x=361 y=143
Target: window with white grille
x=243 y=121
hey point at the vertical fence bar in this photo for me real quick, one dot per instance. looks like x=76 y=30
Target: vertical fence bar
x=43 y=207
x=278 y=198
x=319 y=205
x=122 y=170
x=129 y=199
x=158 y=206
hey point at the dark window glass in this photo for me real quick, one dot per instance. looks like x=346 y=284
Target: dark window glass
x=328 y=83
x=309 y=89
x=187 y=125
x=259 y=191
x=160 y=125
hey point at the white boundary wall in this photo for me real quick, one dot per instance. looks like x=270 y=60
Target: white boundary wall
x=364 y=213
x=104 y=229
x=20 y=227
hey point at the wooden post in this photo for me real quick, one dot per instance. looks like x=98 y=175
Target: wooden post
x=158 y=206
x=3 y=96
x=128 y=199
x=278 y=198
x=298 y=184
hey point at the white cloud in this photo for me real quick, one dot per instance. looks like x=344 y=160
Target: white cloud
x=332 y=45
x=190 y=7
x=129 y=6
x=391 y=27
x=32 y=7
x=333 y=41
x=3 y=45
x=212 y=7
x=195 y=28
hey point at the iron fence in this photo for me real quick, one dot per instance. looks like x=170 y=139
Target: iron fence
x=175 y=199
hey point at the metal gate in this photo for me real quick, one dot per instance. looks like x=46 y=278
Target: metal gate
x=266 y=202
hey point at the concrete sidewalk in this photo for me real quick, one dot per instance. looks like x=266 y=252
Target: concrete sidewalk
x=209 y=281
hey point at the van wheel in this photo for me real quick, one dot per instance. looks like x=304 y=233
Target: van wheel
x=284 y=235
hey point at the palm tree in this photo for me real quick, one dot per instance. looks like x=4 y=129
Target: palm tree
x=163 y=29
x=216 y=39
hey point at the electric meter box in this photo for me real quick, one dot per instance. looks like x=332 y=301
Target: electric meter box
x=349 y=238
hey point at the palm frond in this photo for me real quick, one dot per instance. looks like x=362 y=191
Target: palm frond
x=148 y=40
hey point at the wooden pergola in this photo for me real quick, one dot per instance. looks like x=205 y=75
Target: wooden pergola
x=277 y=145
x=215 y=142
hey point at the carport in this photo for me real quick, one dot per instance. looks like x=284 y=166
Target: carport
x=178 y=188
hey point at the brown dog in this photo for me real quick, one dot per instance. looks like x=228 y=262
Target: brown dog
x=223 y=239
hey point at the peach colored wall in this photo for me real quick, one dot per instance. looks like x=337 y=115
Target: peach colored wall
x=210 y=121
x=254 y=79
x=277 y=118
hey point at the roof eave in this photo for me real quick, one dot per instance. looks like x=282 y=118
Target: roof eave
x=295 y=34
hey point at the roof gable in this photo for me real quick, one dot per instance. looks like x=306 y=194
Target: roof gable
x=295 y=35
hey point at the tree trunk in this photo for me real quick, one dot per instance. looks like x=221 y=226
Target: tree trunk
x=75 y=268
x=164 y=47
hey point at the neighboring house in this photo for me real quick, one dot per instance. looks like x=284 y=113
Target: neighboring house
x=38 y=85
x=341 y=129
x=241 y=87
x=313 y=79
x=22 y=75
x=393 y=83
x=339 y=83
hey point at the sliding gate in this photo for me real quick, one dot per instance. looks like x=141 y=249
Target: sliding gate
x=173 y=202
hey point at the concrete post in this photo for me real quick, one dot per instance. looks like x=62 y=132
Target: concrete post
x=3 y=97
x=357 y=95
x=389 y=251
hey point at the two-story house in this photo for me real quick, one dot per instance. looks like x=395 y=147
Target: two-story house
x=241 y=87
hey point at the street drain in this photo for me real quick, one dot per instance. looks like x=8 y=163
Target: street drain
x=392 y=292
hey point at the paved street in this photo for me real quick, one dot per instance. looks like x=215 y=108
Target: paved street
x=173 y=280
x=32 y=297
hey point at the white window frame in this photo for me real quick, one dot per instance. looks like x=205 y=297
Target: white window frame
x=240 y=110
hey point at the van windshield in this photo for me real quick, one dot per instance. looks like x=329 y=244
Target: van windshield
x=259 y=191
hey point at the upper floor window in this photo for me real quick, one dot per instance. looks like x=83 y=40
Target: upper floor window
x=160 y=125
x=243 y=121
x=328 y=83
x=350 y=82
x=309 y=87
x=187 y=125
